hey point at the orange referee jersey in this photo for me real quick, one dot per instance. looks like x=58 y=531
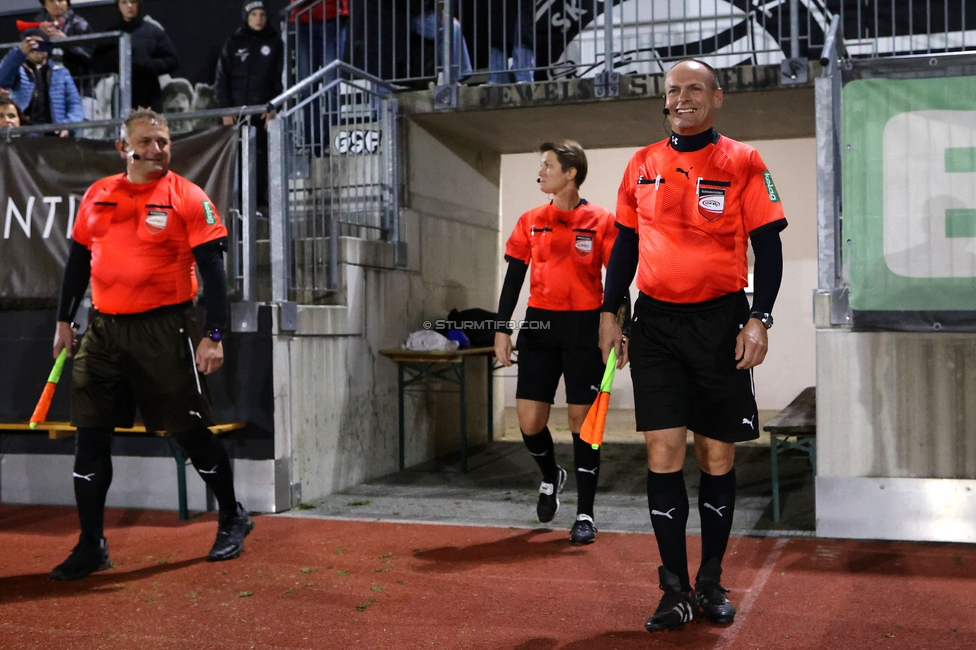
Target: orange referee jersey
x=693 y=212
x=566 y=250
x=141 y=238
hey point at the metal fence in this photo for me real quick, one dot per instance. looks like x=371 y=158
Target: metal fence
x=415 y=42
x=333 y=151
x=104 y=95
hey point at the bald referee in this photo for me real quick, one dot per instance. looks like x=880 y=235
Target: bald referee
x=687 y=209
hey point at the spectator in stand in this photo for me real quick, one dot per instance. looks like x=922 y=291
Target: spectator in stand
x=10 y=114
x=428 y=23
x=512 y=24
x=59 y=21
x=249 y=74
x=320 y=29
x=153 y=54
x=44 y=91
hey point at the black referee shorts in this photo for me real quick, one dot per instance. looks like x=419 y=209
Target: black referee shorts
x=682 y=361
x=555 y=343
x=145 y=360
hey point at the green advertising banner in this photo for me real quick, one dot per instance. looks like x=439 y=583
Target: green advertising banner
x=909 y=197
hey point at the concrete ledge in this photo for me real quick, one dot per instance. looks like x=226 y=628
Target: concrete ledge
x=365 y=252
x=910 y=509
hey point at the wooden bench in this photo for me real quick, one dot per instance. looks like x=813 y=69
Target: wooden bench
x=795 y=427
x=58 y=430
x=423 y=365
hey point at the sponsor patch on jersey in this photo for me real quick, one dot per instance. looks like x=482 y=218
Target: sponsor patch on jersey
x=156 y=221
x=265 y=50
x=770 y=188
x=211 y=214
x=712 y=200
x=584 y=244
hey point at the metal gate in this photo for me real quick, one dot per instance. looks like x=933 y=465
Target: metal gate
x=333 y=172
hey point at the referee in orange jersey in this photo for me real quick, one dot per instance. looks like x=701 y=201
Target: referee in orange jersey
x=566 y=242
x=137 y=237
x=687 y=210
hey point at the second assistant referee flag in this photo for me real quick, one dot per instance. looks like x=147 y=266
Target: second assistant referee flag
x=596 y=418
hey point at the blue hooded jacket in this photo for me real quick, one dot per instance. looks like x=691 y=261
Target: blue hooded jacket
x=63 y=98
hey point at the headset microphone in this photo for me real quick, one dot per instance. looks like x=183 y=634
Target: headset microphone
x=134 y=155
x=666 y=111
x=538 y=180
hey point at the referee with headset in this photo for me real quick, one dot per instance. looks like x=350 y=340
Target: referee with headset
x=687 y=209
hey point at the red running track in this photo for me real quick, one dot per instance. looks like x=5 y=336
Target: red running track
x=309 y=583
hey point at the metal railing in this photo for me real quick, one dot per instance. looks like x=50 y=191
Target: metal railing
x=415 y=42
x=333 y=150
x=104 y=95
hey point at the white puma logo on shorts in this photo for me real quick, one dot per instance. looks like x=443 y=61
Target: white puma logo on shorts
x=749 y=422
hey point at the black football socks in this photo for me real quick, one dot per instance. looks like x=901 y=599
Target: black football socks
x=210 y=459
x=541 y=447
x=667 y=501
x=587 y=461
x=92 y=478
x=716 y=503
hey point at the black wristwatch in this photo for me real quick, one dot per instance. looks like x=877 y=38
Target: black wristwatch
x=763 y=317
x=214 y=334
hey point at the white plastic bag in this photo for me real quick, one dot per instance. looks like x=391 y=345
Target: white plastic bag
x=429 y=340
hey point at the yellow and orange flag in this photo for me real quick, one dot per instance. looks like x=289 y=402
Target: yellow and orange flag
x=43 y=404
x=596 y=419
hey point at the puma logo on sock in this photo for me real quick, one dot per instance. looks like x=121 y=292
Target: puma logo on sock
x=87 y=477
x=718 y=510
x=204 y=471
x=664 y=514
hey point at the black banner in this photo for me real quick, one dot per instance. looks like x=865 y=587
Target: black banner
x=42 y=180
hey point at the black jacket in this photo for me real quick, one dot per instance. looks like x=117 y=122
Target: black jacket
x=153 y=54
x=249 y=68
x=76 y=58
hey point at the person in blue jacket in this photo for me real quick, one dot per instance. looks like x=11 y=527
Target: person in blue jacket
x=44 y=91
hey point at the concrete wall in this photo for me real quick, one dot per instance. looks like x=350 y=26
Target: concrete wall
x=893 y=404
x=896 y=436
x=336 y=396
x=791 y=364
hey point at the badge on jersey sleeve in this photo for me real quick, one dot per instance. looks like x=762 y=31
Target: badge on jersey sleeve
x=211 y=214
x=711 y=198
